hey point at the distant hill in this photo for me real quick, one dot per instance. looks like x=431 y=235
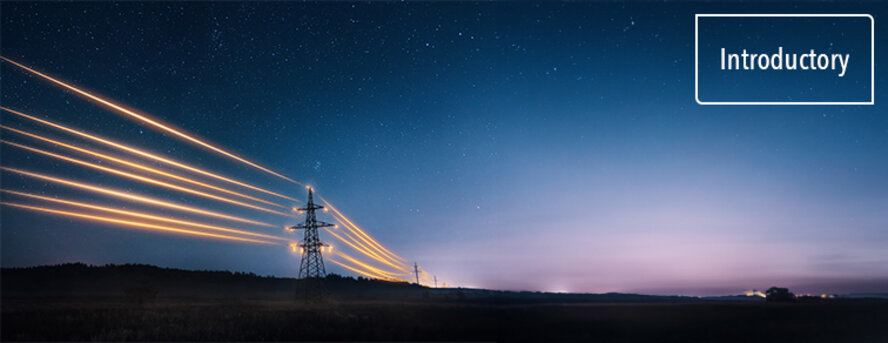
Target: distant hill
x=78 y=280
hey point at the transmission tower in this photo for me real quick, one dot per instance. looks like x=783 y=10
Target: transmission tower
x=311 y=268
x=416 y=272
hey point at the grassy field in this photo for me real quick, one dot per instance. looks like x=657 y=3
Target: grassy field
x=198 y=320
x=77 y=302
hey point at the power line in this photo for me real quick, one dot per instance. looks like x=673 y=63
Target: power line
x=139 y=166
x=143 y=153
x=311 y=265
x=133 y=197
x=145 y=119
x=143 y=215
x=145 y=179
x=131 y=223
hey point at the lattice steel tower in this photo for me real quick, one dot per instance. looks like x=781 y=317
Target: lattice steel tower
x=312 y=265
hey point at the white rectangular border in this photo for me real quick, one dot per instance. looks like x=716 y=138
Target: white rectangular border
x=872 y=60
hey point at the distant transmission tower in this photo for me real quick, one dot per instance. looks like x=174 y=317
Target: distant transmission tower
x=416 y=272
x=311 y=268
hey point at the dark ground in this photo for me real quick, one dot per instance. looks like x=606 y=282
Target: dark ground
x=81 y=303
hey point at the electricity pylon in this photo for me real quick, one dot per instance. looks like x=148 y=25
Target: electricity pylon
x=416 y=272
x=311 y=268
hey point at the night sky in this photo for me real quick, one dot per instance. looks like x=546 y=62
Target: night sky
x=523 y=146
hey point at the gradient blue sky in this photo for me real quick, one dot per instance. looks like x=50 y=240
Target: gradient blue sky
x=526 y=146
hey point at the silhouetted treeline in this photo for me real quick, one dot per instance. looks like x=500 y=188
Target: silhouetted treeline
x=779 y=294
x=145 y=282
x=142 y=283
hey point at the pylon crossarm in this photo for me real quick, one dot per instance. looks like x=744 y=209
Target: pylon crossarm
x=318 y=225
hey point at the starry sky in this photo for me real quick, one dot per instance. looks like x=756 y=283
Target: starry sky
x=521 y=146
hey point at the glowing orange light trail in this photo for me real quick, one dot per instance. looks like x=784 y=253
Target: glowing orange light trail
x=369 y=246
x=142 y=199
x=139 y=166
x=136 y=224
x=362 y=249
x=143 y=215
x=145 y=179
x=144 y=153
x=349 y=223
x=358 y=271
x=147 y=120
x=349 y=239
x=187 y=137
x=364 y=265
x=363 y=235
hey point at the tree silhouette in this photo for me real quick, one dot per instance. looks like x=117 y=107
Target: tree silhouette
x=779 y=294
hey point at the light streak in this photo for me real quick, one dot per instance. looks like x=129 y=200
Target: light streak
x=136 y=224
x=369 y=246
x=145 y=154
x=143 y=118
x=142 y=215
x=349 y=223
x=367 y=266
x=152 y=122
x=363 y=249
x=145 y=179
x=361 y=234
x=183 y=135
x=125 y=195
x=361 y=272
x=138 y=166
x=351 y=241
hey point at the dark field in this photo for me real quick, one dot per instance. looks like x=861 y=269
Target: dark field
x=370 y=311
x=857 y=321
